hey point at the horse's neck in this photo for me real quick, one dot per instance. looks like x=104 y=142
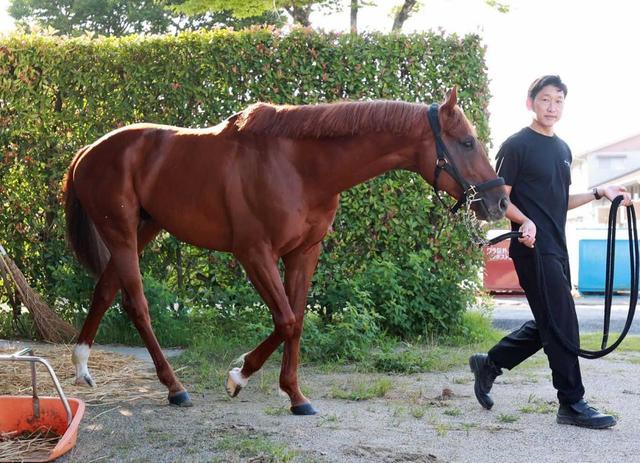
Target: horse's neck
x=349 y=161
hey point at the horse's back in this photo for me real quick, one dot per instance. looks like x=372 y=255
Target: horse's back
x=216 y=188
x=175 y=175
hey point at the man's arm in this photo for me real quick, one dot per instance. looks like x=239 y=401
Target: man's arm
x=610 y=192
x=527 y=227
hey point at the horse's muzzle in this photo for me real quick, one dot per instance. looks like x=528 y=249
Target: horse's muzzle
x=491 y=206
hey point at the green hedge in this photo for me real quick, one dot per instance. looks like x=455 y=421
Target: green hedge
x=392 y=250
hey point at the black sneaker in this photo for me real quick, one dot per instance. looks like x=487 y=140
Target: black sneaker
x=485 y=373
x=583 y=415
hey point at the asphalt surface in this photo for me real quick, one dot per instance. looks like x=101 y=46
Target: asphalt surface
x=511 y=311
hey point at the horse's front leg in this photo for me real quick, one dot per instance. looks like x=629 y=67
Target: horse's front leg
x=261 y=267
x=299 y=268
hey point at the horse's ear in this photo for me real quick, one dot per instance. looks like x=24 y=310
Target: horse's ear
x=451 y=99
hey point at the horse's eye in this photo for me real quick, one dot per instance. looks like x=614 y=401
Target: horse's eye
x=468 y=143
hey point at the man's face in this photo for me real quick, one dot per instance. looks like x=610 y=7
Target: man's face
x=547 y=105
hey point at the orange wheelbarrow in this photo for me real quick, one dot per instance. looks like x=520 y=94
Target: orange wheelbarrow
x=30 y=415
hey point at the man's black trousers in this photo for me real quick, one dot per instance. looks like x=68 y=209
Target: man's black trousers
x=533 y=335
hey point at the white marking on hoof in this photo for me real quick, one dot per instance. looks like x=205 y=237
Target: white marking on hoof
x=235 y=382
x=80 y=358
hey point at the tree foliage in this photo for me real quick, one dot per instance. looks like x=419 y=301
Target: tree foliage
x=407 y=8
x=121 y=17
x=299 y=10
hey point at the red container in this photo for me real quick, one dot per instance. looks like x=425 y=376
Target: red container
x=499 y=273
x=16 y=415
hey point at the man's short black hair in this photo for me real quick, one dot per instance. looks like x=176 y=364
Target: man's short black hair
x=543 y=81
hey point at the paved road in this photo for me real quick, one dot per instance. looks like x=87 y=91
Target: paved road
x=138 y=352
x=511 y=311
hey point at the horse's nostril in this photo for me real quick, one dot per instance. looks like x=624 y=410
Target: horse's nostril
x=504 y=203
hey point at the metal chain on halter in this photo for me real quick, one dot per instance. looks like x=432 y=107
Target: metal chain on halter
x=467 y=218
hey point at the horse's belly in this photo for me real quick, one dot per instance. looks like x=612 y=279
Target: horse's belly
x=203 y=224
x=203 y=236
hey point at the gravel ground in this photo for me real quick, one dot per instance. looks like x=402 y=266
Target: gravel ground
x=413 y=422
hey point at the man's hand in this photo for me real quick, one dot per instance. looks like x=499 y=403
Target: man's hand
x=612 y=191
x=528 y=230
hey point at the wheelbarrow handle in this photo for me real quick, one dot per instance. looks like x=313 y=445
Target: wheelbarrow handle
x=21 y=357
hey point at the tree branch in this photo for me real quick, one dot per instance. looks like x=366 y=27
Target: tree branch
x=403 y=14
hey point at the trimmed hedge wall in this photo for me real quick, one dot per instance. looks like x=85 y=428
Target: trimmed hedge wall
x=392 y=251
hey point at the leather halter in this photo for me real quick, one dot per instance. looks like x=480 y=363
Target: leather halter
x=445 y=162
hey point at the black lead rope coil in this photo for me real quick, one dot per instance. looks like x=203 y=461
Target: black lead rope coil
x=634 y=259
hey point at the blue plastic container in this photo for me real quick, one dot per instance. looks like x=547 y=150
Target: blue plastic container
x=592 y=260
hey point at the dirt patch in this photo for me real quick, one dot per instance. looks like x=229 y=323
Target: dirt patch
x=430 y=417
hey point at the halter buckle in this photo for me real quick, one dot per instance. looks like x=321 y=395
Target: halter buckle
x=441 y=162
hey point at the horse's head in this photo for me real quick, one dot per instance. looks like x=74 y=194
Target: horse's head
x=456 y=162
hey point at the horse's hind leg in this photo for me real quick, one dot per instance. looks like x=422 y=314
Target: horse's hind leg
x=139 y=314
x=103 y=296
x=125 y=258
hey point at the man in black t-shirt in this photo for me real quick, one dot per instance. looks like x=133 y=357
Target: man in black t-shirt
x=536 y=167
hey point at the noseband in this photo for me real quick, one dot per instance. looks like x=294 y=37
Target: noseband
x=445 y=162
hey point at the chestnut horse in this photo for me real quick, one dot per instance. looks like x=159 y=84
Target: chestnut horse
x=263 y=185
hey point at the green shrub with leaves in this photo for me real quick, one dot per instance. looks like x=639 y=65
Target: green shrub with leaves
x=393 y=252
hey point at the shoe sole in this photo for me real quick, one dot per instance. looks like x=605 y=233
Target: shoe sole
x=473 y=365
x=570 y=421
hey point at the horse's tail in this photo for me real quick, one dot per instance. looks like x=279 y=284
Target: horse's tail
x=82 y=236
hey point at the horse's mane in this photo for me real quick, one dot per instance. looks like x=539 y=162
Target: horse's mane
x=333 y=119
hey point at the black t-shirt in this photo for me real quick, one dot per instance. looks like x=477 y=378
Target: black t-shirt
x=538 y=169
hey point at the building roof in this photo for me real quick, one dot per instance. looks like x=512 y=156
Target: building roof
x=629 y=144
x=624 y=179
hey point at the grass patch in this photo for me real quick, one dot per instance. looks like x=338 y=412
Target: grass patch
x=207 y=361
x=592 y=341
x=258 y=446
x=398 y=411
x=537 y=405
x=330 y=421
x=466 y=427
x=418 y=412
x=476 y=329
x=506 y=418
x=538 y=361
x=362 y=391
x=453 y=412
x=463 y=380
x=267 y=380
x=423 y=358
x=437 y=355
x=442 y=429
x=277 y=411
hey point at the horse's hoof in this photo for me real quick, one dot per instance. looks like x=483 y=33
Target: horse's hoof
x=181 y=399
x=235 y=382
x=231 y=387
x=303 y=409
x=85 y=380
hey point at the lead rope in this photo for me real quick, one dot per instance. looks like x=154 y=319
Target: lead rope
x=634 y=259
